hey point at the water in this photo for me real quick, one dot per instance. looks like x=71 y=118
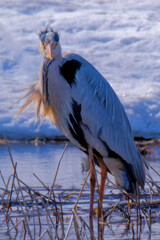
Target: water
x=42 y=159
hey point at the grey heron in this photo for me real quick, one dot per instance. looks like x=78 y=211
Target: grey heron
x=84 y=107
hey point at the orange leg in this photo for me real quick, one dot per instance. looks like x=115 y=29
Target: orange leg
x=102 y=185
x=101 y=193
x=92 y=190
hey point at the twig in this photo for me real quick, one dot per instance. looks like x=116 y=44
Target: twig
x=39 y=220
x=9 y=203
x=70 y=223
x=149 y=142
x=35 y=192
x=14 y=170
x=6 y=189
x=15 y=225
x=123 y=212
x=25 y=219
x=111 y=210
x=8 y=217
x=145 y=218
x=47 y=214
x=153 y=169
x=42 y=235
x=98 y=220
x=83 y=228
x=61 y=217
x=76 y=224
x=87 y=227
x=24 y=236
x=75 y=205
x=51 y=190
x=150 y=219
x=4 y=201
x=41 y=181
x=33 y=222
x=3 y=179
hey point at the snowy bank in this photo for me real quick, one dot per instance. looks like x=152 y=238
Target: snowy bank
x=120 y=38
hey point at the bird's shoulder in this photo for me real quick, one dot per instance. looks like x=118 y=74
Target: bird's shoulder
x=83 y=72
x=79 y=61
x=73 y=56
x=87 y=82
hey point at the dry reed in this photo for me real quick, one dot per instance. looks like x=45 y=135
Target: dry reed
x=40 y=211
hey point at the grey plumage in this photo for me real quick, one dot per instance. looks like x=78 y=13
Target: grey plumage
x=82 y=104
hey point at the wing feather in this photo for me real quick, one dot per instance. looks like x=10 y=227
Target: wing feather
x=104 y=115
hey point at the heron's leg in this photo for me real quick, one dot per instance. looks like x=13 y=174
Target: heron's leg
x=92 y=190
x=103 y=170
x=102 y=185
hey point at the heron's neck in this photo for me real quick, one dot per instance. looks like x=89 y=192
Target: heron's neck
x=44 y=77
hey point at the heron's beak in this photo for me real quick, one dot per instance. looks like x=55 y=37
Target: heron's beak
x=49 y=50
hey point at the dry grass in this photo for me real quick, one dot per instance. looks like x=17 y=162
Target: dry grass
x=38 y=213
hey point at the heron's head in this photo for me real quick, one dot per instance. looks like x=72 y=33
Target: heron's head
x=49 y=45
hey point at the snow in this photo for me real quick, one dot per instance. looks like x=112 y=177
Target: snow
x=120 y=38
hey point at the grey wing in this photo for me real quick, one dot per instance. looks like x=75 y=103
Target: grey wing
x=103 y=114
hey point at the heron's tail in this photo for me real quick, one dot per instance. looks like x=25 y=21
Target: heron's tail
x=123 y=174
